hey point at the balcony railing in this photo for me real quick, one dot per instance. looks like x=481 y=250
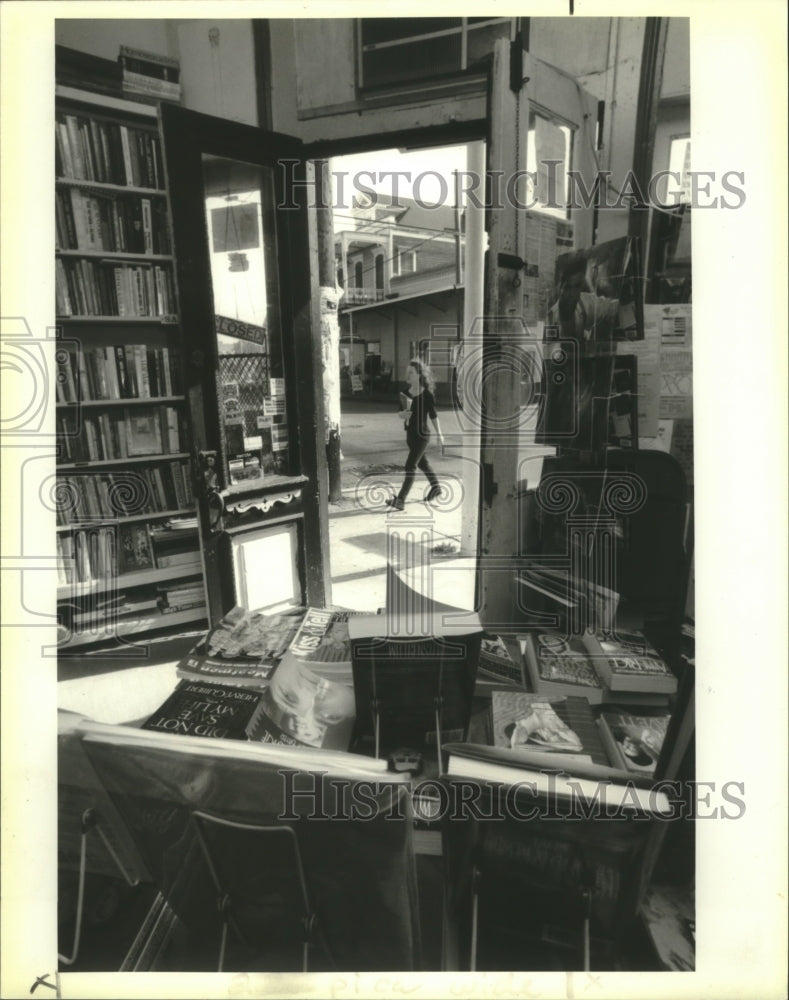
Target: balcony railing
x=361 y=296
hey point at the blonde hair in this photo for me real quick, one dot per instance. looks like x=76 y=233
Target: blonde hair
x=426 y=379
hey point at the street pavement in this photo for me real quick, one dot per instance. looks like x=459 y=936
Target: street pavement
x=363 y=531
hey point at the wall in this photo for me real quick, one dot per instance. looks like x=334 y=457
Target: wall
x=103 y=36
x=217 y=79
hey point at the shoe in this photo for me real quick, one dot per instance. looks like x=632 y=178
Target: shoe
x=395 y=502
x=433 y=493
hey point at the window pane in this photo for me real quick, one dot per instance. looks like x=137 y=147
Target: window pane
x=239 y=200
x=387 y=29
x=416 y=61
x=549 y=157
x=481 y=40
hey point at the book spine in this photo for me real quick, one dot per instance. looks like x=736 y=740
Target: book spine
x=111 y=373
x=141 y=369
x=151 y=60
x=75 y=147
x=84 y=138
x=147 y=225
x=126 y=152
x=64 y=146
x=140 y=83
x=173 y=439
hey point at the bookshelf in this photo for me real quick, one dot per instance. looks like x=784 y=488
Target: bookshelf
x=122 y=419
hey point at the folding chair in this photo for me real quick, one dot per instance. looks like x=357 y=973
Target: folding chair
x=258 y=876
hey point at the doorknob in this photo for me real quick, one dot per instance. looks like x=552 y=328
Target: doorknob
x=215 y=502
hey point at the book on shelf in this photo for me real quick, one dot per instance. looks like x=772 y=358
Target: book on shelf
x=89 y=148
x=134 y=547
x=150 y=74
x=242 y=649
x=185 y=559
x=413 y=678
x=109 y=288
x=124 y=492
x=109 y=222
x=122 y=608
x=144 y=432
x=90 y=556
x=213 y=711
x=636 y=741
x=182 y=596
x=498 y=663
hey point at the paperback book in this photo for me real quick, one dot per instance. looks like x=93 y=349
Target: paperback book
x=214 y=711
x=299 y=708
x=497 y=664
x=135 y=550
x=628 y=663
x=561 y=666
x=322 y=642
x=551 y=747
x=243 y=649
x=635 y=741
x=558 y=731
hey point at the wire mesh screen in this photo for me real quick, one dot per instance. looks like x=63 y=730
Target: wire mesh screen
x=244 y=379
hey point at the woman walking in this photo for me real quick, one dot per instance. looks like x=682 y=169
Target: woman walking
x=421 y=410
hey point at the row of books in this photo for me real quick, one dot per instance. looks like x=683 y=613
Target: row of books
x=124 y=434
x=288 y=661
x=117 y=371
x=620 y=667
x=113 y=223
x=560 y=748
x=92 y=149
x=98 y=612
x=162 y=487
x=107 y=552
x=181 y=596
x=106 y=288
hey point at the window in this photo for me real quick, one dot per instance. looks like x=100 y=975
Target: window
x=403 y=262
x=549 y=154
x=398 y=50
x=379 y=272
x=358 y=274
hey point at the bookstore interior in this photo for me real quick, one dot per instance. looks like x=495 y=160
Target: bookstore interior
x=254 y=775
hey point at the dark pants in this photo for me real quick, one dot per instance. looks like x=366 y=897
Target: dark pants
x=417 y=446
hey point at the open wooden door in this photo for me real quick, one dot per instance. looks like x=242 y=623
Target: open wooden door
x=542 y=124
x=245 y=272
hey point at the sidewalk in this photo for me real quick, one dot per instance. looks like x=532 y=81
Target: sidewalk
x=364 y=533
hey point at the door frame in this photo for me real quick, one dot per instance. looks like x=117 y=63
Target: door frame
x=187 y=135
